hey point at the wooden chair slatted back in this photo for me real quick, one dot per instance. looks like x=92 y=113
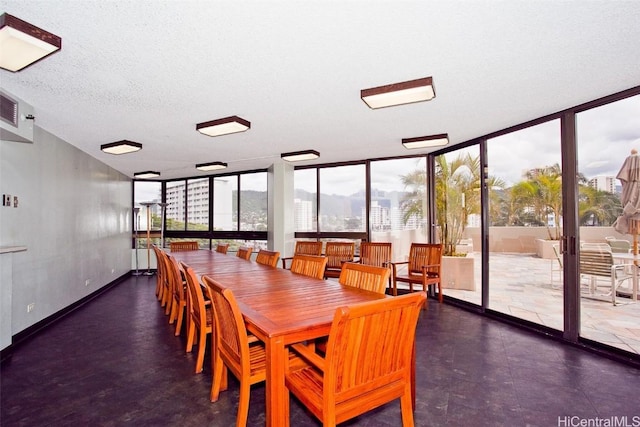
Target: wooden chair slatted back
x=244 y=252
x=425 y=254
x=339 y=252
x=370 y=346
x=222 y=248
x=309 y=265
x=195 y=307
x=175 y=276
x=367 y=277
x=231 y=333
x=183 y=246
x=308 y=248
x=375 y=253
x=269 y=258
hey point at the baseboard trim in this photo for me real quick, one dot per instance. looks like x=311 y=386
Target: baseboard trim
x=28 y=333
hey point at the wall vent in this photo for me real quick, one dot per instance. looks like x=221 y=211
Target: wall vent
x=8 y=110
x=16 y=119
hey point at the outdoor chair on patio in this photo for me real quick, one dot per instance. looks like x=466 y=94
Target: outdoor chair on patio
x=423 y=268
x=597 y=264
x=619 y=245
x=556 y=266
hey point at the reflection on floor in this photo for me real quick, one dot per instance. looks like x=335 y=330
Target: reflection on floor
x=521 y=285
x=116 y=361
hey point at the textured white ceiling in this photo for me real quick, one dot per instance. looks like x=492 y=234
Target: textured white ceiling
x=148 y=71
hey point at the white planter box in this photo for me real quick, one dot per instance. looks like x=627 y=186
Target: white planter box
x=544 y=248
x=458 y=273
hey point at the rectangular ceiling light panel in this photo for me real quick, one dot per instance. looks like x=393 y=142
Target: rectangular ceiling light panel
x=298 y=156
x=121 y=147
x=426 y=141
x=146 y=174
x=399 y=93
x=224 y=126
x=213 y=166
x=22 y=44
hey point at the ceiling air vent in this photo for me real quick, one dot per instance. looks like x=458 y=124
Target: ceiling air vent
x=8 y=110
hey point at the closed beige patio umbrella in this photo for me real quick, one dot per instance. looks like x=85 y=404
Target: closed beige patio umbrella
x=629 y=221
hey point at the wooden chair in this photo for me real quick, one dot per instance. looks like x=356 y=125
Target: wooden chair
x=222 y=248
x=337 y=253
x=269 y=258
x=160 y=273
x=200 y=322
x=378 y=254
x=233 y=349
x=178 y=291
x=244 y=252
x=304 y=248
x=362 y=276
x=184 y=246
x=375 y=253
x=423 y=268
x=309 y=265
x=167 y=293
x=349 y=380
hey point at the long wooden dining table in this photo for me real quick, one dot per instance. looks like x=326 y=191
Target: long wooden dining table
x=280 y=308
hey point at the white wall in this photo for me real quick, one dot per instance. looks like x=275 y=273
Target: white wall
x=74 y=217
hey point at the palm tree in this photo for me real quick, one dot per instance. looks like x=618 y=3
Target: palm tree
x=414 y=201
x=597 y=207
x=457 y=187
x=546 y=185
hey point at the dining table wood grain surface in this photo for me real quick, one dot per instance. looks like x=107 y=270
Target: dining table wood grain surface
x=280 y=308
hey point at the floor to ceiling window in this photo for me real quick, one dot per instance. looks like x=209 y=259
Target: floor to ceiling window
x=606 y=136
x=330 y=202
x=398 y=209
x=342 y=199
x=197 y=204
x=147 y=219
x=305 y=200
x=458 y=213
x=525 y=212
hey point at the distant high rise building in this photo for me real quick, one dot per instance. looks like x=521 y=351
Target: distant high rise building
x=603 y=183
x=303 y=215
x=197 y=202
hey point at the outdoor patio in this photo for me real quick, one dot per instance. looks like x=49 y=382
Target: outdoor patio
x=521 y=285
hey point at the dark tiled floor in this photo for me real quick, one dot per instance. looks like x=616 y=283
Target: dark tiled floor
x=116 y=362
